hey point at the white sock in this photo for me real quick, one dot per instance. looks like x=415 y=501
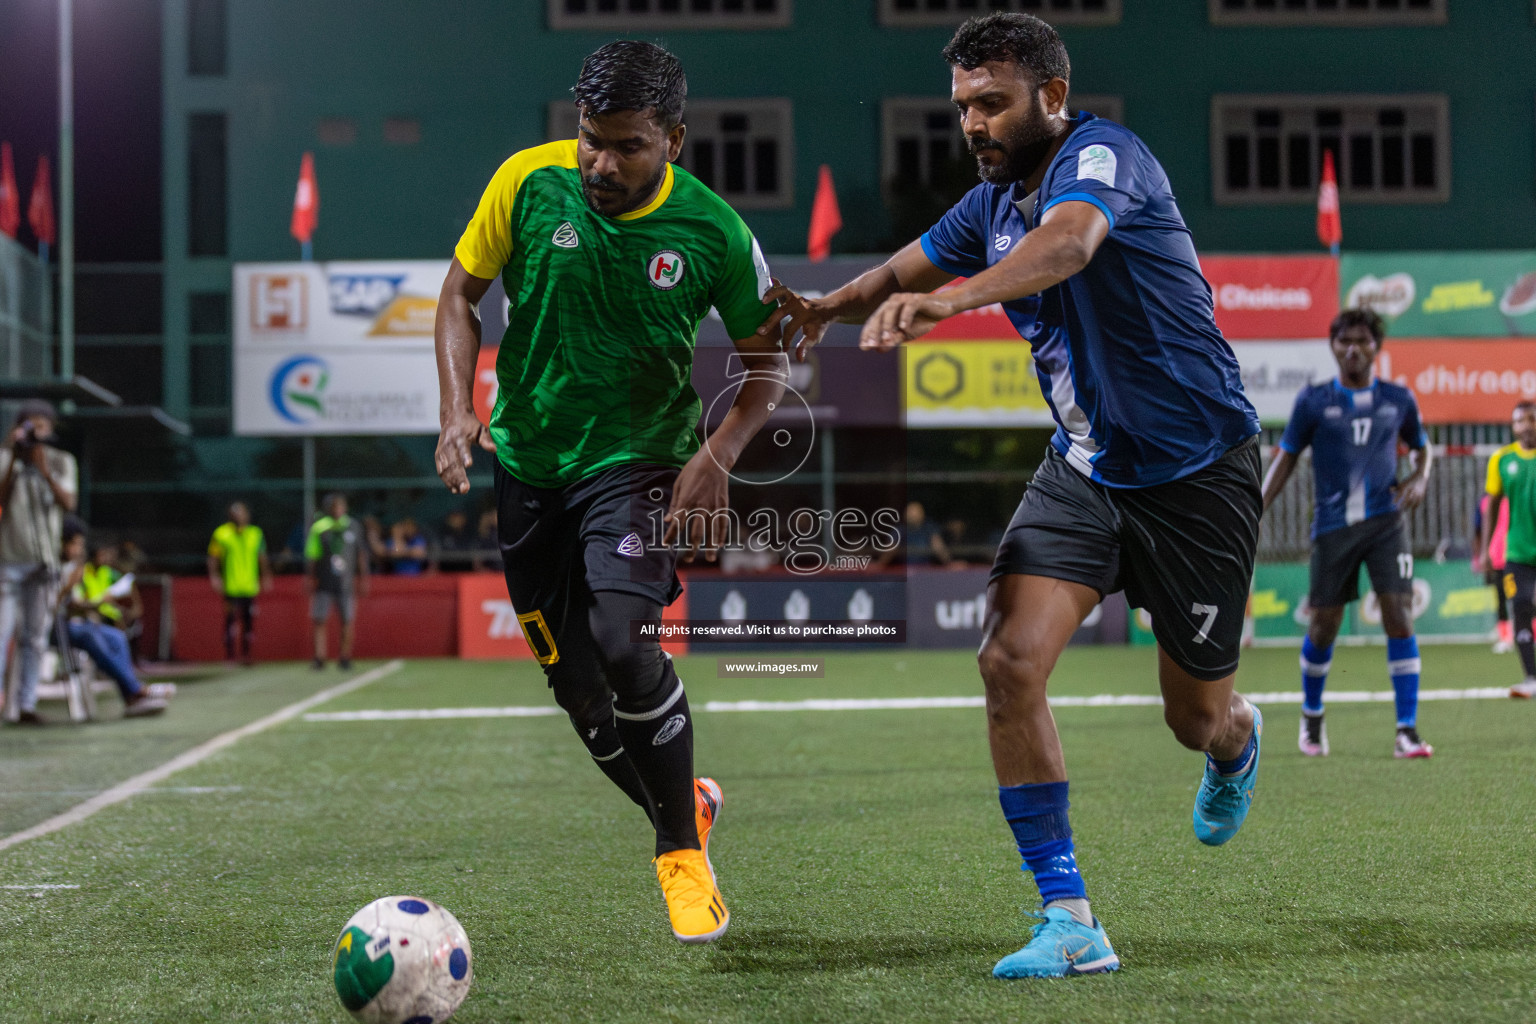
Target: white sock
x=1078 y=908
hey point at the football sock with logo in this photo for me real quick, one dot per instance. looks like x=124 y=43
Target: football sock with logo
x=659 y=741
x=1523 y=642
x=602 y=742
x=650 y=714
x=1315 y=662
x=1037 y=814
x=1403 y=668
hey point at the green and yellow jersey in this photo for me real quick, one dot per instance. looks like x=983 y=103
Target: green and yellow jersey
x=239 y=554
x=595 y=368
x=1512 y=475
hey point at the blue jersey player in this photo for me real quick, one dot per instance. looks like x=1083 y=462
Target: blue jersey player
x=1151 y=481
x=1353 y=424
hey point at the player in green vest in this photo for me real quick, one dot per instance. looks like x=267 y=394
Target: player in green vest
x=1512 y=477
x=611 y=256
x=239 y=571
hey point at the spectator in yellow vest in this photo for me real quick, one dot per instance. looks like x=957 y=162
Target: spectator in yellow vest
x=239 y=570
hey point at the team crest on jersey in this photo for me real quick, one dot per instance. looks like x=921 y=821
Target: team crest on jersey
x=664 y=270
x=565 y=236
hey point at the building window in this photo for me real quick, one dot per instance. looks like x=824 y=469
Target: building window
x=910 y=13
x=336 y=131
x=644 y=15
x=208 y=313
x=742 y=149
x=207 y=185
x=402 y=131
x=1327 y=12
x=210 y=385
x=1386 y=149
x=206 y=24
x=921 y=141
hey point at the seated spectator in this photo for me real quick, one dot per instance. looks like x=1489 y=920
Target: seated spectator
x=456 y=542
x=487 y=542
x=922 y=543
x=373 y=540
x=105 y=643
x=407 y=548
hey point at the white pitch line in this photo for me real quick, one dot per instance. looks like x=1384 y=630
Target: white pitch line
x=123 y=790
x=1103 y=700
x=34 y=888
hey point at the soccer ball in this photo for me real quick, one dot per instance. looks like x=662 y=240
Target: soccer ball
x=402 y=960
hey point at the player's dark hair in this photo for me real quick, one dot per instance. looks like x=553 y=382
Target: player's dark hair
x=1528 y=407
x=633 y=75
x=1367 y=318
x=1020 y=39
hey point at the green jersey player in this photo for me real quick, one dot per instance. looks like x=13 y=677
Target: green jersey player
x=611 y=256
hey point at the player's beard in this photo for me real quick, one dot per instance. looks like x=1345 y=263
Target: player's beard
x=1023 y=148
x=594 y=183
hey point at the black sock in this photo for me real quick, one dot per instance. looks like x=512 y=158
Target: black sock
x=659 y=741
x=608 y=753
x=1523 y=641
x=229 y=636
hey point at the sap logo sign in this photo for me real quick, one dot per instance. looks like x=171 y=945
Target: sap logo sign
x=363 y=294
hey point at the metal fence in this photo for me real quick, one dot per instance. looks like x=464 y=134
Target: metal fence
x=26 y=313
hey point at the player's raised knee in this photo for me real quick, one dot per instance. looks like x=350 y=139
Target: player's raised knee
x=1195 y=727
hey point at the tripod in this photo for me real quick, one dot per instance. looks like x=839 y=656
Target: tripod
x=82 y=702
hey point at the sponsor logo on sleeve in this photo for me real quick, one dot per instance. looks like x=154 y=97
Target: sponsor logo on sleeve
x=1097 y=163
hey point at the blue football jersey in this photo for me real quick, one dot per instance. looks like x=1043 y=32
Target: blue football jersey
x=1143 y=387
x=1354 y=437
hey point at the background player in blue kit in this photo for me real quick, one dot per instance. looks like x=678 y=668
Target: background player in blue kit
x=1151 y=482
x=1353 y=424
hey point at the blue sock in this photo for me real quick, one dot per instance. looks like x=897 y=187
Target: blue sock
x=1315 y=662
x=1037 y=813
x=1403 y=667
x=1238 y=763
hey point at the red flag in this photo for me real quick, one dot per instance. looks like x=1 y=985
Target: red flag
x=40 y=206
x=1330 y=228
x=826 y=221
x=10 y=198
x=306 y=201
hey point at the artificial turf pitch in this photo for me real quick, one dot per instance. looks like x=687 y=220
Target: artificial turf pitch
x=862 y=853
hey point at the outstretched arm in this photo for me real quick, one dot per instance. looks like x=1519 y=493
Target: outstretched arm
x=1068 y=236
x=457 y=336
x=1412 y=488
x=910 y=270
x=703 y=484
x=1279 y=472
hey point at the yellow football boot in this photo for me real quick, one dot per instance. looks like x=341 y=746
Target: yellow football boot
x=693 y=902
x=707 y=801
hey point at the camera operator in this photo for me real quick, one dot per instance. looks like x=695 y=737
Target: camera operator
x=38 y=484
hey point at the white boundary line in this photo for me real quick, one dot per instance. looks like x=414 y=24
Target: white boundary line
x=1104 y=700
x=123 y=790
x=34 y=888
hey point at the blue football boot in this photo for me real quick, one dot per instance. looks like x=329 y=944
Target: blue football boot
x=1060 y=946
x=1223 y=800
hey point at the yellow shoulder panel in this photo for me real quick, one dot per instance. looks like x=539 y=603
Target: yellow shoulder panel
x=486 y=244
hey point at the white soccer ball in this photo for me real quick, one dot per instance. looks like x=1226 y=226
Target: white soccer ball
x=402 y=960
